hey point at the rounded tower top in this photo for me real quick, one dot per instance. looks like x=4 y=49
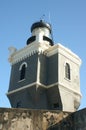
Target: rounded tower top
x=41 y=32
x=41 y=24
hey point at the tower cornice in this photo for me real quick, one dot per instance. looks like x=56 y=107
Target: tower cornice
x=28 y=51
x=60 y=49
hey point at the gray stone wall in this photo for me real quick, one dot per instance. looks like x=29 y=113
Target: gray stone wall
x=25 y=119
x=48 y=69
x=43 y=69
x=52 y=69
x=54 y=98
x=29 y=98
x=75 y=121
x=30 y=76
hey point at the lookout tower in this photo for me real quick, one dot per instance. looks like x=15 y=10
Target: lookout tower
x=44 y=75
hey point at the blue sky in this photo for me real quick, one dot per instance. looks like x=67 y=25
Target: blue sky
x=68 y=19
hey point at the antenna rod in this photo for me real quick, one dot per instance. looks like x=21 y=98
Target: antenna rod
x=49 y=18
x=42 y=17
x=51 y=26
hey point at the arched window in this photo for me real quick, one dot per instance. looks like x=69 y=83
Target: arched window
x=23 y=70
x=67 y=71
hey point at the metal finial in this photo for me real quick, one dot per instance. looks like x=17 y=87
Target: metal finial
x=42 y=17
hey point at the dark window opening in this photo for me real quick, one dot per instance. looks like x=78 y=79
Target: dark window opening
x=48 y=39
x=31 y=39
x=18 y=104
x=22 y=72
x=67 y=71
x=56 y=105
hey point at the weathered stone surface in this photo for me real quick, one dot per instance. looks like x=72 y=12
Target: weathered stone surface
x=75 y=121
x=25 y=119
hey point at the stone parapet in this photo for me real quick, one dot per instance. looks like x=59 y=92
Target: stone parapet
x=26 y=119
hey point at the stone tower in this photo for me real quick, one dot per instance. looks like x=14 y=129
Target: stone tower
x=44 y=75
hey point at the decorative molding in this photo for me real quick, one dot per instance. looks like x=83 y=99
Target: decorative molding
x=38 y=70
x=60 y=49
x=46 y=87
x=28 y=51
x=24 y=63
x=22 y=88
x=12 y=50
x=45 y=48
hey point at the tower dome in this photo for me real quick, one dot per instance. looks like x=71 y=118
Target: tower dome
x=41 y=31
x=41 y=24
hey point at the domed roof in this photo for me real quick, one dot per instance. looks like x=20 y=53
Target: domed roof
x=42 y=24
